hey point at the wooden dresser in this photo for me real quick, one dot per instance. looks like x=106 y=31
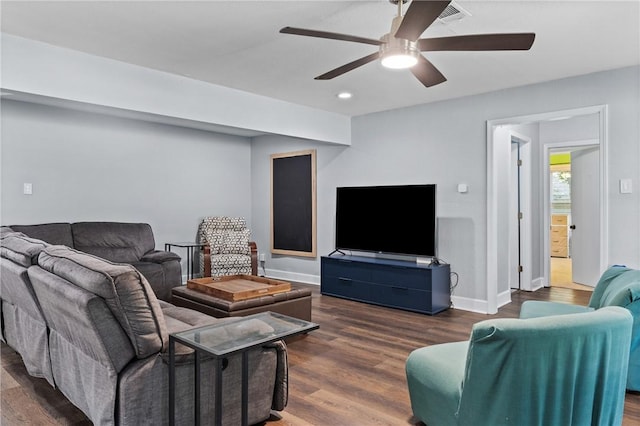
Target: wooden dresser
x=559 y=237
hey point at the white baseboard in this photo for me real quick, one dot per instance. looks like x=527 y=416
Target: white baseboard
x=537 y=284
x=291 y=276
x=471 y=305
x=504 y=298
x=479 y=306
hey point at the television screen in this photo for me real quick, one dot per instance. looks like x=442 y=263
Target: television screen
x=398 y=219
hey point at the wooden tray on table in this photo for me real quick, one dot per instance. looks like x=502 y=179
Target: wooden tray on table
x=238 y=287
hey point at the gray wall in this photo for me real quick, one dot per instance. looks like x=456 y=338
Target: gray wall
x=92 y=167
x=86 y=166
x=445 y=143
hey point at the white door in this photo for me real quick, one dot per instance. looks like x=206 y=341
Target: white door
x=585 y=216
x=514 y=220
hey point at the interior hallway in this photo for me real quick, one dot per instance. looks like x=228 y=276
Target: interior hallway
x=561 y=274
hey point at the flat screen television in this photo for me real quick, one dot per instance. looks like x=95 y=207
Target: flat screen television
x=396 y=219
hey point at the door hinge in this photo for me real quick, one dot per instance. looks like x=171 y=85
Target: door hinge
x=519 y=162
x=520 y=268
x=520 y=215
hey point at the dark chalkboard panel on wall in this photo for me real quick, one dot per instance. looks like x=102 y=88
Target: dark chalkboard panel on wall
x=293 y=203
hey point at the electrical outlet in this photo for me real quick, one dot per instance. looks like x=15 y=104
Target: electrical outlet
x=261 y=257
x=27 y=188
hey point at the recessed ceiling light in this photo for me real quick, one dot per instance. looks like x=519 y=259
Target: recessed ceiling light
x=344 y=95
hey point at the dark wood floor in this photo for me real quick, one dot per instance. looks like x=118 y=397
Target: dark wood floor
x=348 y=372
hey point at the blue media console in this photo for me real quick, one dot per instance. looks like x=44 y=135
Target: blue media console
x=394 y=283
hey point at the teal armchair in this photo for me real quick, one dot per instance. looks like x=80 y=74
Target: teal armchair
x=560 y=370
x=618 y=286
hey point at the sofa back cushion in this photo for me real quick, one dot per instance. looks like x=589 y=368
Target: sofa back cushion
x=52 y=233
x=618 y=286
x=21 y=249
x=114 y=241
x=125 y=291
x=17 y=253
x=5 y=230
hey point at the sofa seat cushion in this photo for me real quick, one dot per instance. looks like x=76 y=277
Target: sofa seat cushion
x=52 y=233
x=543 y=308
x=124 y=289
x=114 y=241
x=181 y=319
x=21 y=249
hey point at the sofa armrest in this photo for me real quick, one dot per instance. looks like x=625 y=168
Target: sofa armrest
x=158 y=256
x=281 y=388
x=206 y=254
x=254 y=257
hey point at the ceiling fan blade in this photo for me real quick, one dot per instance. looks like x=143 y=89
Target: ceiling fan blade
x=348 y=67
x=427 y=73
x=333 y=36
x=514 y=41
x=419 y=16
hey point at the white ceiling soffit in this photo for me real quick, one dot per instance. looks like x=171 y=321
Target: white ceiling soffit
x=237 y=44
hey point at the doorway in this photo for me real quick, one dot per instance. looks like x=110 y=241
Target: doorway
x=569 y=198
x=498 y=292
x=573 y=195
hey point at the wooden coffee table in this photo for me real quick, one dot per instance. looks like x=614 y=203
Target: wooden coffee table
x=242 y=295
x=238 y=287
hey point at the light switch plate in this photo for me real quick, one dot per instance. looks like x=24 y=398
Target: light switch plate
x=626 y=187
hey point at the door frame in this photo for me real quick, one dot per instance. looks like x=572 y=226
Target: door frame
x=496 y=206
x=525 y=240
x=547 y=148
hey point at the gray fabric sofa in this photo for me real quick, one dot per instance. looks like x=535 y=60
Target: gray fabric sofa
x=95 y=330
x=120 y=242
x=23 y=325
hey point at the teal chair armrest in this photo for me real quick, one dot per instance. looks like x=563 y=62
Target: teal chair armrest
x=434 y=376
x=536 y=309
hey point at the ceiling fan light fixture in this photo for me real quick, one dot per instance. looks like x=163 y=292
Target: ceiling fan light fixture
x=399 y=61
x=398 y=53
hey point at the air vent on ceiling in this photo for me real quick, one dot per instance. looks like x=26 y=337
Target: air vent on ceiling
x=453 y=12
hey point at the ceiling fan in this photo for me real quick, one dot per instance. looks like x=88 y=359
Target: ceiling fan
x=401 y=47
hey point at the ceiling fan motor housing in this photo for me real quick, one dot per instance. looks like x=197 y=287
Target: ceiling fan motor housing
x=397 y=48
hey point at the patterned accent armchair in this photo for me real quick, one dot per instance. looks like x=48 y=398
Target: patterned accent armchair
x=228 y=250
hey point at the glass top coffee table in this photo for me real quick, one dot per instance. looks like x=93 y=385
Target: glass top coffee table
x=227 y=338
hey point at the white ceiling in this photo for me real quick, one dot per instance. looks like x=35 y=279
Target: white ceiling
x=237 y=44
